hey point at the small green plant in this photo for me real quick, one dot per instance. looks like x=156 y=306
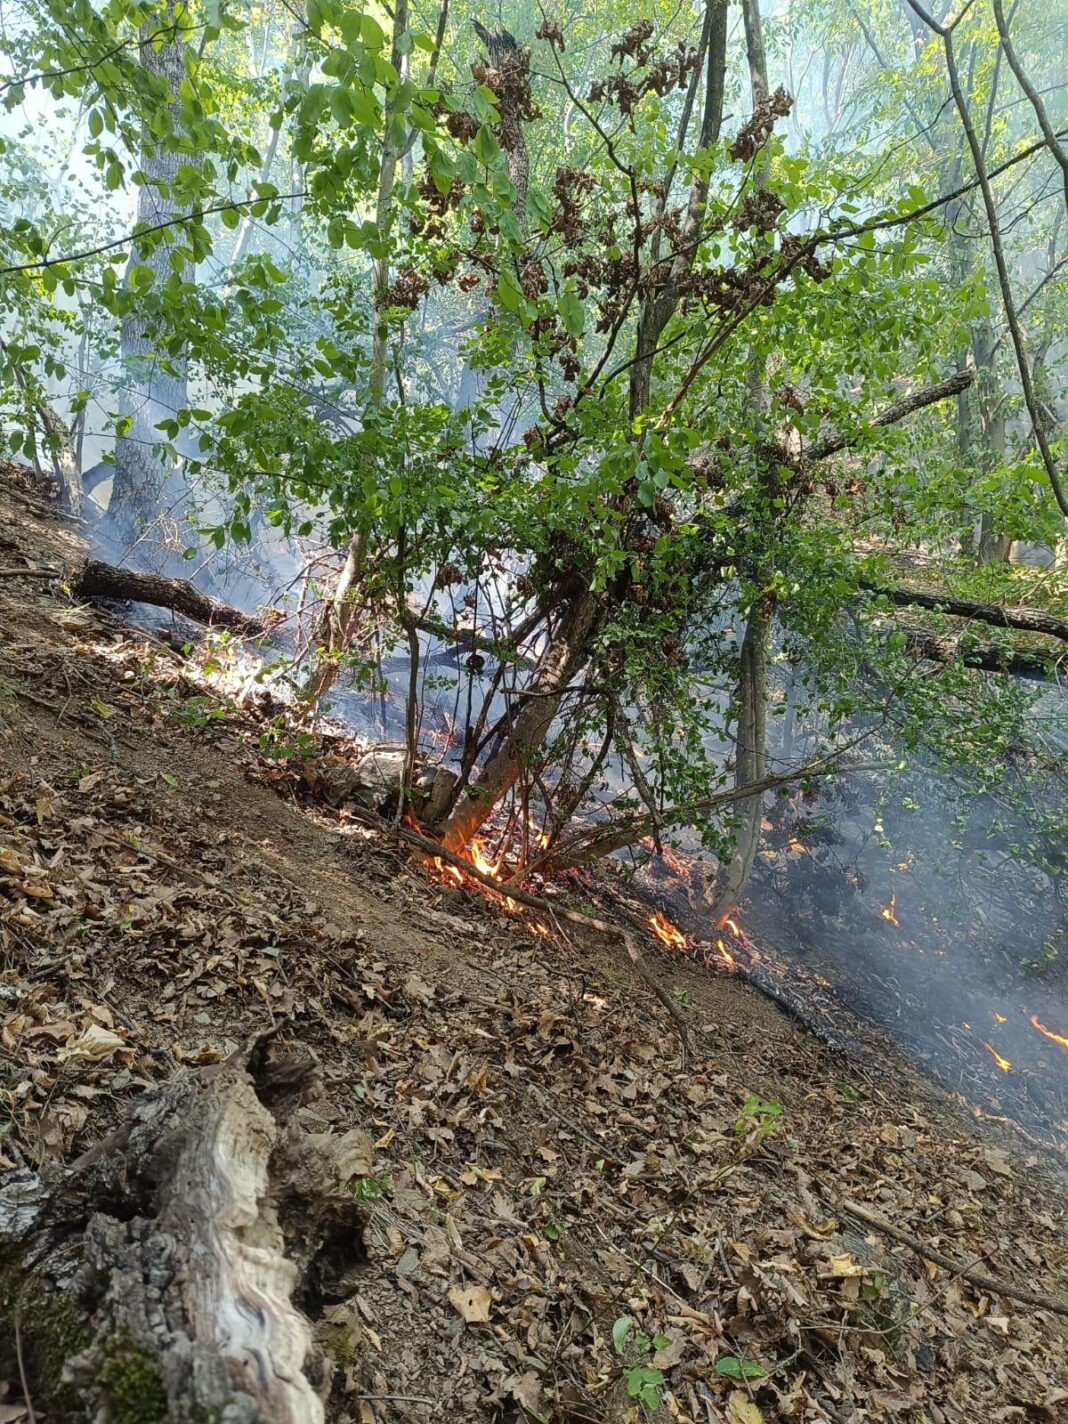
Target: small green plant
x=757 y=1120
x=371 y=1189
x=198 y=712
x=644 y=1382
x=282 y=743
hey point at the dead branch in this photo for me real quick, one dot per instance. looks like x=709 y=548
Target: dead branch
x=900 y=410
x=959 y=1268
x=1028 y=620
x=99 y=580
x=988 y=657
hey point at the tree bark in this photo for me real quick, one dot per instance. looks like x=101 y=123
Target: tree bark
x=99 y=580
x=160 y=1269
x=341 y=615
x=751 y=697
x=986 y=656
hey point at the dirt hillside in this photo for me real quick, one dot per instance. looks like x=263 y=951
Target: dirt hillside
x=535 y=1162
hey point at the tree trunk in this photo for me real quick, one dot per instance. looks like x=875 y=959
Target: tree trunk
x=751 y=703
x=538 y=707
x=153 y=387
x=341 y=615
x=751 y=696
x=157 y=1274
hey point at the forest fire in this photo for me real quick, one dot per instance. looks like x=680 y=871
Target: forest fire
x=480 y=861
x=888 y=912
x=666 y=932
x=1059 y=1039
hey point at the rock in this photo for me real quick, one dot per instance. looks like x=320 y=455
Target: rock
x=374 y=781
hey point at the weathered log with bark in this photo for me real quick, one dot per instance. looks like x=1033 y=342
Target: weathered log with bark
x=99 y=580
x=159 y=1276
x=1027 y=620
x=974 y=653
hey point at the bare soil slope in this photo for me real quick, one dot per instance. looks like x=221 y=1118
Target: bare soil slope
x=540 y=1163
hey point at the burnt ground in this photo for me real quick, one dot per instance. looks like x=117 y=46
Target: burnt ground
x=543 y=1157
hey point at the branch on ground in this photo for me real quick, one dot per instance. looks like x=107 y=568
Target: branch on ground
x=99 y=580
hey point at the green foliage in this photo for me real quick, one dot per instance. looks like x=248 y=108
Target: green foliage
x=644 y=1382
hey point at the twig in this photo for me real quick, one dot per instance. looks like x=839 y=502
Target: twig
x=989 y=1283
x=24 y=1383
x=30 y=573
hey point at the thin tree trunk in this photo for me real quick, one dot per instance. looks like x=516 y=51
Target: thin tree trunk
x=151 y=390
x=538 y=707
x=341 y=616
x=752 y=693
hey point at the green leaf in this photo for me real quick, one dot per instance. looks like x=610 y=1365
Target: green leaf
x=620 y=1331
x=486 y=146
x=572 y=312
x=509 y=292
x=732 y=1368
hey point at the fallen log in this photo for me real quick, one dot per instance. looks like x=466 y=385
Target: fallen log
x=100 y=580
x=1027 y=620
x=164 y=1268
x=989 y=657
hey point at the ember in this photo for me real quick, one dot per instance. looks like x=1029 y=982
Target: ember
x=887 y=912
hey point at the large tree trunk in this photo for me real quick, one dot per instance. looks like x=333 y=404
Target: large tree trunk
x=153 y=386
x=158 y=1273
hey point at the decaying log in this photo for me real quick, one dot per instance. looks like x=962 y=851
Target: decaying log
x=173 y=1256
x=973 y=653
x=99 y=580
x=1030 y=620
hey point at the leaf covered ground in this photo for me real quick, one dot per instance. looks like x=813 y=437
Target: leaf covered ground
x=564 y=1222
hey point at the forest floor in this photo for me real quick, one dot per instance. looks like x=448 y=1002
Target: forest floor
x=540 y=1162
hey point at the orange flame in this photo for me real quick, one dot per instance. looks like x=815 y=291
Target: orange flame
x=1005 y=1064
x=666 y=932
x=887 y=911
x=733 y=925
x=725 y=954
x=1056 y=1038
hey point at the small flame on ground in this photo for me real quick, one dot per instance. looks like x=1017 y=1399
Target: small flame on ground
x=1056 y=1038
x=666 y=932
x=536 y=927
x=1005 y=1064
x=725 y=954
x=887 y=911
x=733 y=925
x=1000 y=1018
